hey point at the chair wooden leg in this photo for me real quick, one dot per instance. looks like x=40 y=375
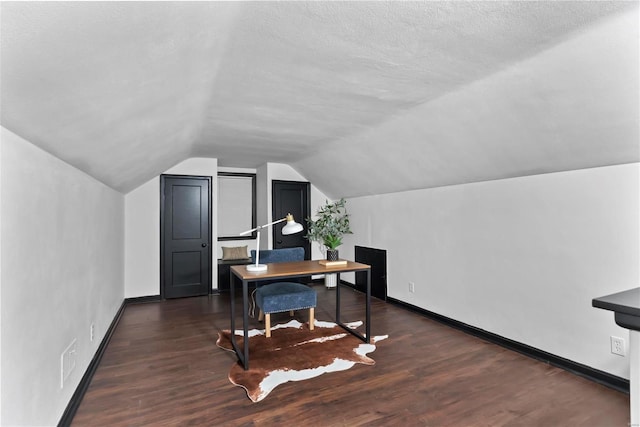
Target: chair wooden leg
x=311 y=318
x=260 y=316
x=267 y=324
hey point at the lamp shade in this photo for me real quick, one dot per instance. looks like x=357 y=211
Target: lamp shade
x=291 y=227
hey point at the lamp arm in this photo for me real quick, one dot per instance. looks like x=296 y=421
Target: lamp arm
x=262 y=226
x=258 y=237
x=291 y=228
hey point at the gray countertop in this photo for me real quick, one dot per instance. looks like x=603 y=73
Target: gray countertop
x=626 y=306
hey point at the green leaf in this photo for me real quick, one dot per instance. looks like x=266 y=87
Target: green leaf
x=331 y=224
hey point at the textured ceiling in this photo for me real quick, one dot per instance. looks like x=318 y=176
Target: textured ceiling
x=360 y=97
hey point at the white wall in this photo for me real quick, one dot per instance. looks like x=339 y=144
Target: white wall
x=522 y=258
x=142 y=240
x=63 y=272
x=142 y=228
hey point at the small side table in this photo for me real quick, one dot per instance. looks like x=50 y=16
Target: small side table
x=626 y=306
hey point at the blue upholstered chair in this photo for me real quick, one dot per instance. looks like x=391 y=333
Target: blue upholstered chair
x=276 y=297
x=279 y=255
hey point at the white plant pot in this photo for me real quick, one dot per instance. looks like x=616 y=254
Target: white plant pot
x=330 y=280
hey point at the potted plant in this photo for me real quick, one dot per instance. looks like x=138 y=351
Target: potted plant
x=331 y=224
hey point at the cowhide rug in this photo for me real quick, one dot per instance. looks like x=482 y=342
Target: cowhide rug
x=294 y=353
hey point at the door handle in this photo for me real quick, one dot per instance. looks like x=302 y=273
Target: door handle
x=279 y=242
x=204 y=245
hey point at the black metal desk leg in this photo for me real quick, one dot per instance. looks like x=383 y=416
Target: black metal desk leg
x=245 y=316
x=368 y=315
x=232 y=297
x=233 y=308
x=337 y=299
x=243 y=354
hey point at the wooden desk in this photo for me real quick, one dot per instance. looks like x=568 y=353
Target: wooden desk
x=288 y=270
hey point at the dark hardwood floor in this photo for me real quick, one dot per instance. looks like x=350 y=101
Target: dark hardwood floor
x=163 y=368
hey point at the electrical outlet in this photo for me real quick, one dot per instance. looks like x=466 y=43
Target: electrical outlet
x=68 y=362
x=617 y=346
x=412 y=287
x=92 y=331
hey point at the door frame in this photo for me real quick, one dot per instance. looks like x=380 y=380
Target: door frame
x=162 y=219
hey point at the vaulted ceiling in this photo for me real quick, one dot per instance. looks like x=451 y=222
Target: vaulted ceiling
x=360 y=97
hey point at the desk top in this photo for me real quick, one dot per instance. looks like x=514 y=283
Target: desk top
x=297 y=268
x=627 y=302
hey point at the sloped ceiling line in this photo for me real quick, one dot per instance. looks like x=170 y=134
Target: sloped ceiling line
x=427 y=91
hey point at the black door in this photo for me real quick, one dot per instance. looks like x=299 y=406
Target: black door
x=185 y=236
x=377 y=259
x=291 y=197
